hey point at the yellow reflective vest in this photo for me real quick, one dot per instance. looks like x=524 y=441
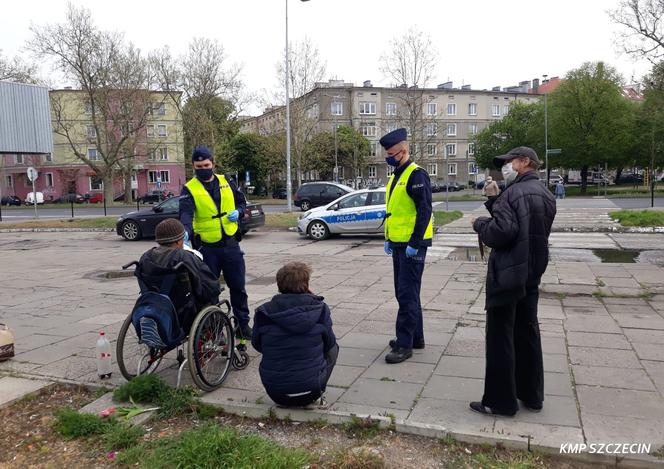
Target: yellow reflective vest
x=207 y=222
x=401 y=210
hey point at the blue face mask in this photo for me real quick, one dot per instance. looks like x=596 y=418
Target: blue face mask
x=204 y=174
x=391 y=160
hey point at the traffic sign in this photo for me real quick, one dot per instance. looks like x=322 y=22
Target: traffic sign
x=32 y=174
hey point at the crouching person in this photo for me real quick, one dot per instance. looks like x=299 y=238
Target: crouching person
x=293 y=331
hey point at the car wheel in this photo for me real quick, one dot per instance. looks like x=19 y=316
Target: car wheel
x=305 y=205
x=318 y=230
x=131 y=231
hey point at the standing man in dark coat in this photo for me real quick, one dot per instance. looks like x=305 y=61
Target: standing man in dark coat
x=518 y=233
x=211 y=207
x=408 y=234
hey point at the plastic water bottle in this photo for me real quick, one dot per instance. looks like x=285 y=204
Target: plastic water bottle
x=103 y=356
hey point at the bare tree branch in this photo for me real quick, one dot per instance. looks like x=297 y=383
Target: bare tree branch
x=17 y=70
x=643 y=31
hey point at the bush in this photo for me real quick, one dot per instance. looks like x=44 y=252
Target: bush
x=638 y=217
x=72 y=424
x=123 y=437
x=144 y=389
x=361 y=428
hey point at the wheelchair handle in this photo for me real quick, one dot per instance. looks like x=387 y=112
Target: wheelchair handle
x=126 y=266
x=181 y=265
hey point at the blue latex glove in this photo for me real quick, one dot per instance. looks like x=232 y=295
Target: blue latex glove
x=234 y=215
x=186 y=239
x=387 y=248
x=410 y=252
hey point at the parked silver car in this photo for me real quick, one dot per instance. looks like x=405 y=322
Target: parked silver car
x=361 y=211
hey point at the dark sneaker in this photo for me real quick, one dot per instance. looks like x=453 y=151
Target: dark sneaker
x=244 y=332
x=399 y=355
x=481 y=409
x=418 y=344
x=532 y=407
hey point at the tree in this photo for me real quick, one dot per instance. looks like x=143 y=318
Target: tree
x=589 y=119
x=352 y=150
x=305 y=69
x=523 y=125
x=409 y=64
x=643 y=34
x=115 y=82
x=650 y=121
x=17 y=70
x=247 y=152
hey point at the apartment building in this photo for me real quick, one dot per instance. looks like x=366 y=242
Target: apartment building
x=441 y=122
x=156 y=159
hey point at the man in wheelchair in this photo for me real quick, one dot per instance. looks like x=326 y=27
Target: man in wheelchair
x=191 y=288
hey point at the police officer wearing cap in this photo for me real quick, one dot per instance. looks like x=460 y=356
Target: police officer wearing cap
x=211 y=207
x=518 y=234
x=408 y=234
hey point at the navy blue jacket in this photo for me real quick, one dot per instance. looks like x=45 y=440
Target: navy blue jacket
x=293 y=332
x=419 y=189
x=187 y=204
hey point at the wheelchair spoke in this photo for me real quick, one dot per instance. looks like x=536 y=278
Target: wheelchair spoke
x=211 y=348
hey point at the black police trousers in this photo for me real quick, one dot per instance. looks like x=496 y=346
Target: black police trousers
x=514 y=366
x=407 y=284
x=230 y=261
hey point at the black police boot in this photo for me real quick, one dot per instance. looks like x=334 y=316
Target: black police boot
x=417 y=344
x=398 y=355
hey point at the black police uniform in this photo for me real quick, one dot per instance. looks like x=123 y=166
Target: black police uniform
x=408 y=271
x=224 y=255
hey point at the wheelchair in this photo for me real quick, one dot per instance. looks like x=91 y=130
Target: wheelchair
x=212 y=348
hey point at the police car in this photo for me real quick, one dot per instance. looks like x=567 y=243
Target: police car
x=361 y=211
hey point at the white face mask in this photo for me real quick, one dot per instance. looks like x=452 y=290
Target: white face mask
x=509 y=174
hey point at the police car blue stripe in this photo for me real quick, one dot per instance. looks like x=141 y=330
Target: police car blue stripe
x=354 y=217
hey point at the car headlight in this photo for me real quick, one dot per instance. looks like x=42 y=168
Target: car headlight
x=120 y=218
x=305 y=215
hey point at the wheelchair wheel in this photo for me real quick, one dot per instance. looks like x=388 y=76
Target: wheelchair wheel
x=129 y=353
x=240 y=359
x=211 y=345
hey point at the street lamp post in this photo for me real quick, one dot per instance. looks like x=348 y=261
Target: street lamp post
x=546 y=136
x=289 y=182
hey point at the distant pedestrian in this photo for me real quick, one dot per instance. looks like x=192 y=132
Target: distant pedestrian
x=491 y=189
x=518 y=234
x=560 y=190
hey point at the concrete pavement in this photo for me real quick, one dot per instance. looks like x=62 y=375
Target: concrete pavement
x=602 y=328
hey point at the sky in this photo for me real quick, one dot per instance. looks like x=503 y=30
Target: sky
x=484 y=43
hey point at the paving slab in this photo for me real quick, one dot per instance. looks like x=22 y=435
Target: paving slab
x=379 y=393
x=603 y=357
x=610 y=377
x=621 y=402
x=13 y=388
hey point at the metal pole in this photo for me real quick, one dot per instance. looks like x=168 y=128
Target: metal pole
x=289 y=182
x=71 y=201
x=336 y=152
x=546 y=137
x=34 y=197
x=447 y=183
x=104 y=206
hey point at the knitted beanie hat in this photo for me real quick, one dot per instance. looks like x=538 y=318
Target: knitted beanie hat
x=169 y=231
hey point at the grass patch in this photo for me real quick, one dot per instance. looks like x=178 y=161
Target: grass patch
x=122 y=437
x=98 y=222
x=613 y=191
x=443 y=218
x=212 y=446
x=362 y=428
x=281 y=220
x=356 y=458
x=638 y=217
x=440 y=197
x=70 y=424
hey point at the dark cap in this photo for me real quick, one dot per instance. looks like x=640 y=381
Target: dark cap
x=394 y=137
x=169 y=231
x=201 y=153
x=518 y=152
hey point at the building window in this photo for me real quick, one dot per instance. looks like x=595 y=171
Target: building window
x=161 y=130
x=163 y=154
x=413 y=148
x=92 y=154
x=450 y=149
x=48 y=157
x=152 y=155
x=472 y=168
x=472 y=109
x=432 y=169
x=432 y=129
x=373 y=148
x=159 y=109
x=372 y=171
x=150 y=130
x=431 y=149
x=368 y=108
x=49 y=179
x=452 y=169
x=91 y=131
x=152 y=177
x=390 y=127
x=451 y=130
x=165 y=176
x=471 y=149
x=506 y=109
x=472 y=129
x=336 y=108
x=389 y=171
x=432 y=109
x=390 y=109
x=10 y=181
x=451 y=109
x=495 y=110
x=368 y=129
x=96 y=183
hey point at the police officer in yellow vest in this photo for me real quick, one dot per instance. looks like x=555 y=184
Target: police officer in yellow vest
x=210 y=208
x=408 y=234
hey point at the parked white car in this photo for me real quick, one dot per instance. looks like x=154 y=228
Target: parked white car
x=361 y=211
x=30 y=198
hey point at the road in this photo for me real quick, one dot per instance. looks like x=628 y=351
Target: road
x=26 y=213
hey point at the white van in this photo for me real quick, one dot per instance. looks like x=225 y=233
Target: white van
x=30 y=199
